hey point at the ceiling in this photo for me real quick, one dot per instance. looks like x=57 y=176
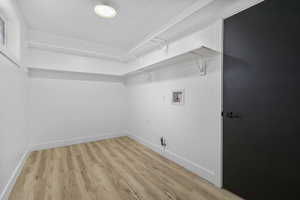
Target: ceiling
x=76 y=19
x=71 y=26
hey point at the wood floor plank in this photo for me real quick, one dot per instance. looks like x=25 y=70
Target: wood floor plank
x=163 y=165
x=143 y=188
x=169 y=187
x=112 y=169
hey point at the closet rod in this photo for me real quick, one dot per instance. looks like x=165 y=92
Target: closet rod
x=10 y=59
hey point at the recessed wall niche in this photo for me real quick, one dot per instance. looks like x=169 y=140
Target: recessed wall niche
x=178 y=97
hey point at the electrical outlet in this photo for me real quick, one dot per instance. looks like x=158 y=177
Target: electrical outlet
x=163 y=142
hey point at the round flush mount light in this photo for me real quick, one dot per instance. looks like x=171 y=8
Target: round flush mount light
x=105 y=11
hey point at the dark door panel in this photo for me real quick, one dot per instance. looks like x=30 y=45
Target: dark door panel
x=261 y=85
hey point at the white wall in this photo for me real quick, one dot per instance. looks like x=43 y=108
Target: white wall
x=193 y=130
x=13 y=98
x=63 y=109
x=13 y=137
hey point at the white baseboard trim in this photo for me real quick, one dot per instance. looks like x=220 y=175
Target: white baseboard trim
x=12 y=180
x=193 y=167
x=189 y=165
x=79 y=140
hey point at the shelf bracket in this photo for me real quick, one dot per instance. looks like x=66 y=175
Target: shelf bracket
x=201 y=63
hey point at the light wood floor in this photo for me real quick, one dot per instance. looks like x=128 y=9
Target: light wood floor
x=113 y=169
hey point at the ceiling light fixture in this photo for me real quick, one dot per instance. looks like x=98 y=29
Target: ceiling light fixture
x=105 y=11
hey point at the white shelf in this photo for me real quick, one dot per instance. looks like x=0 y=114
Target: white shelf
x=200 y=53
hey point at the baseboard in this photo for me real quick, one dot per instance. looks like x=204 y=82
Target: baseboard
x=79 y=140
x=59 y=143
x=12 y=180
x=193 y=167
x=189 y=165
